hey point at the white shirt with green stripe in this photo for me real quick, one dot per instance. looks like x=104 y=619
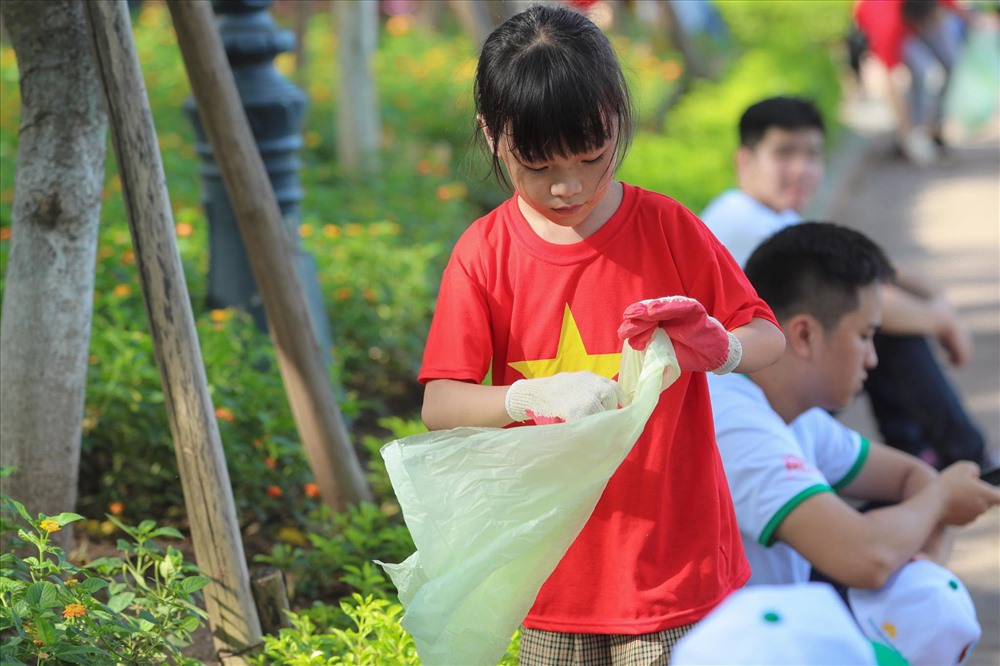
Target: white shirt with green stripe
x=772 y=467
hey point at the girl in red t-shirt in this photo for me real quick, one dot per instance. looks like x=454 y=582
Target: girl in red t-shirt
x=537 y=294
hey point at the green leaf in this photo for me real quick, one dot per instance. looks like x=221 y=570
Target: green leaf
x=91 y=585
x=167 y=568
x=44 y=629
x=193 y=584
x=120 y=602
x=166 y=532
x=65 y=518
x=42 y=594
x=10 y=585
x=190 y=623
x=17 y=507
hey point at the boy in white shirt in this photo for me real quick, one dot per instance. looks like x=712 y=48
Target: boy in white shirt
x=779 y=167
x=788 y=461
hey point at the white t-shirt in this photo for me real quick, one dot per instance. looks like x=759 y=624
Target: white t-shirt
x=742 y=223
x=772 y=467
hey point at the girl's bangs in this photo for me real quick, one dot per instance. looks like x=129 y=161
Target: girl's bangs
x=561 y=119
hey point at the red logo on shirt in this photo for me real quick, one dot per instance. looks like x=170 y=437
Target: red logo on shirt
x=794 y=463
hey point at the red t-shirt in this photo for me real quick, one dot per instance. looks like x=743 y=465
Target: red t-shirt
x=882 y=23
x=662 y=547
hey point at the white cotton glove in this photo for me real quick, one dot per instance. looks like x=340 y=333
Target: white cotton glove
x=562 y=397
x=701 y=343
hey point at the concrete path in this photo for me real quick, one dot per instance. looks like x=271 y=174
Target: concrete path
x=943 y=221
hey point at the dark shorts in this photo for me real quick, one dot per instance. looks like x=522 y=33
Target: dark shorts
x=552 y=648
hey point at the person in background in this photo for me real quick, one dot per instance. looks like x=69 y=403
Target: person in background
x=924 y=38
x=779 y=166
x=534 y=294
x=790 y=463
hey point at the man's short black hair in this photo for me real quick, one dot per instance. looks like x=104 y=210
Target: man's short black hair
x=787 y=113
x=816 y=268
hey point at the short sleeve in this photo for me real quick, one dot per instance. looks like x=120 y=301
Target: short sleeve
x=839 y=452
x=769 y=473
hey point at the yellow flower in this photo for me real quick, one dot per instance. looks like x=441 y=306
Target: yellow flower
x=50 y=525
x=74 y=610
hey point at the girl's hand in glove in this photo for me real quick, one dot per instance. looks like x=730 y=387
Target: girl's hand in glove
x=562 y=397
x=701 y=343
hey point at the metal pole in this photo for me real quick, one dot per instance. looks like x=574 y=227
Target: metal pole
x=275 y=108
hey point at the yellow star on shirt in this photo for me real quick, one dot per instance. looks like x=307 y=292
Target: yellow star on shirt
x=571 y=356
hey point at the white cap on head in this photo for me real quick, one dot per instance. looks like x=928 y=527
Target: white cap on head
x=923 y=612
x=778 y=625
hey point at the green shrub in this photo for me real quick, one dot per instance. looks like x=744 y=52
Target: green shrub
x=139 y=608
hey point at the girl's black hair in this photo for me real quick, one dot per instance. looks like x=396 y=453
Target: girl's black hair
x=549 y=80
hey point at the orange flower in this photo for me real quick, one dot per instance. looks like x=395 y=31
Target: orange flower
x=274 y=491
x=311 y=490
x=116 y=508
x=184 y=230
x=342 y=294
x=5 y=233
x=122 y=290
x=672 y=70
x=398 y=25
x=74 y=610
x=271 y=462
x=225 y=414
x=50 y=525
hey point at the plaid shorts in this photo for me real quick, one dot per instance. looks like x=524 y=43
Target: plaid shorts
x=552 y=648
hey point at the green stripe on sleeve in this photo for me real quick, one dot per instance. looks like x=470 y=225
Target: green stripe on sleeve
x=767 y=536
x=856 y=468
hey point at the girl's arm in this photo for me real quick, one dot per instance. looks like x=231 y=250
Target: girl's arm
x=763 y=343
x=450 y=404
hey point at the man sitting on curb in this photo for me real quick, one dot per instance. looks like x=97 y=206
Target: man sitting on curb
x=779 y=166
x=788 y=461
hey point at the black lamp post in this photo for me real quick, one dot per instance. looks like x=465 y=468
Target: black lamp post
x=275 y=108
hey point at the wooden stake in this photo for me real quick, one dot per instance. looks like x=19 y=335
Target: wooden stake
x=268 y=585
x=208 y=494
x=335 y=464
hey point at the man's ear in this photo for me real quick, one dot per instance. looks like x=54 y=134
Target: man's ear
x=744 y=157
x=802 y=333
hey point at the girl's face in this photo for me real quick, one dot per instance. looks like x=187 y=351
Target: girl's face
x=564 y=192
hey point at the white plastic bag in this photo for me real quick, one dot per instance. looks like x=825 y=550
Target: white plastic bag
x=492 y=511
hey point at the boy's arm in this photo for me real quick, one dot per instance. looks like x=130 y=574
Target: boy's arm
x=864 y=549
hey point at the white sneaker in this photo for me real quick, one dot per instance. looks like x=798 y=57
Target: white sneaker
x=919 y=148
